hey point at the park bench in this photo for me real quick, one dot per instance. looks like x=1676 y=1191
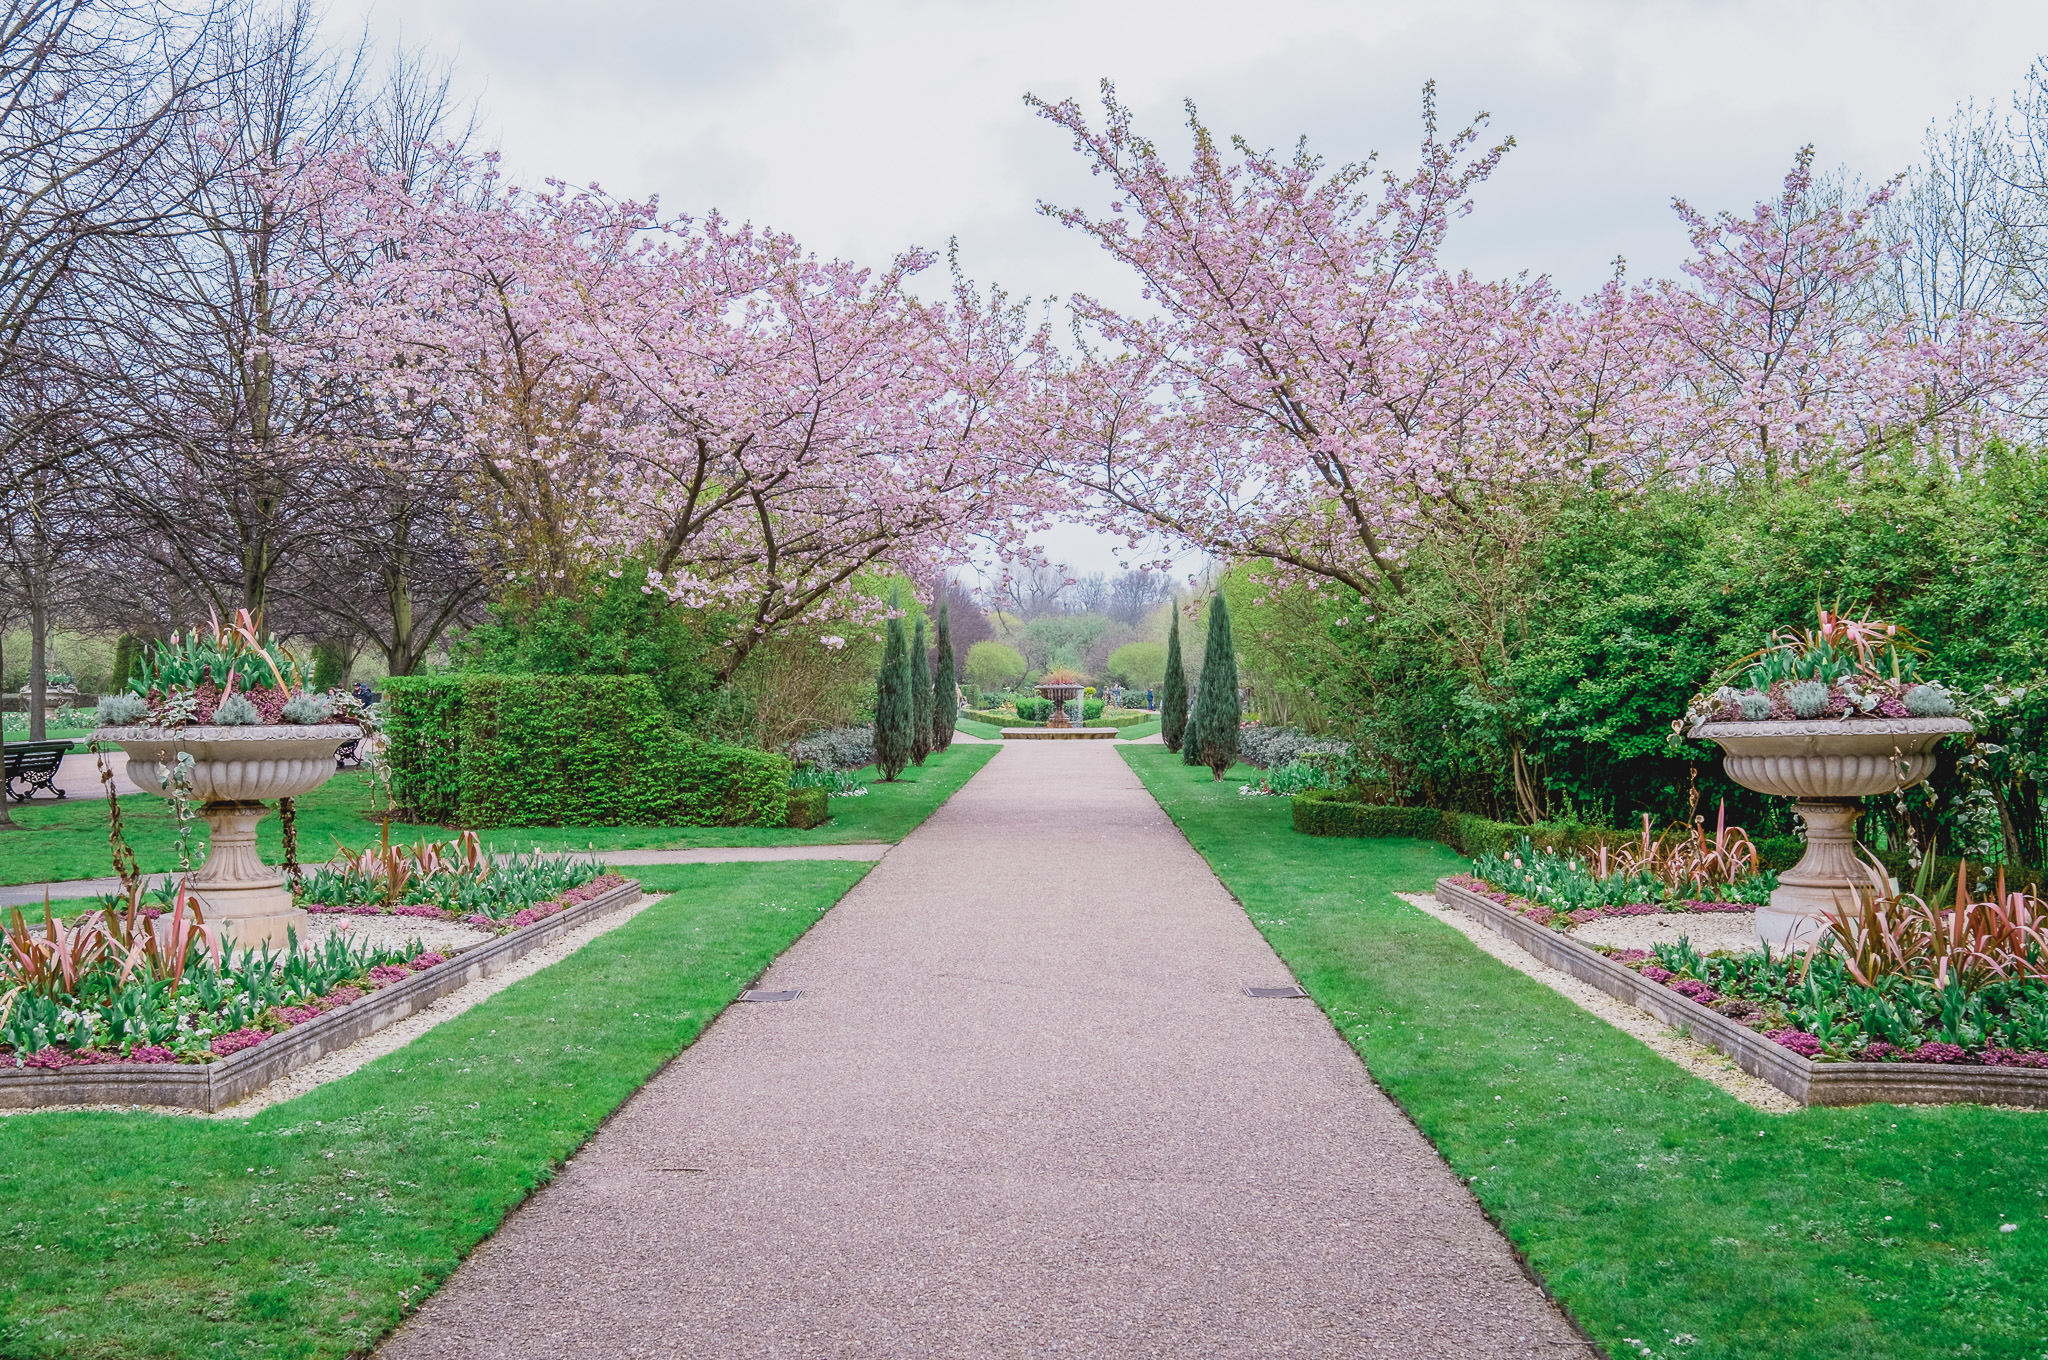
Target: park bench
x=347 y=756
x=33 y=765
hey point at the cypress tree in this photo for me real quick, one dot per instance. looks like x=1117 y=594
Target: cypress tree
x=920 y=697
x=892 y=703
x=1173 y=697
x=124 y=663
x=1212 y=732
x=945 y=702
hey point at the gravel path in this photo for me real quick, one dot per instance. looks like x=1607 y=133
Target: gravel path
x=1022 y=1108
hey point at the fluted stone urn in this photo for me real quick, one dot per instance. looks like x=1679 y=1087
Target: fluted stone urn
x=1061 y=695
x=1827 y=764
x=233 y=770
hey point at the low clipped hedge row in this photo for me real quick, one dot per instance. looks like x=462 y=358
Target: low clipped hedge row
x=1334 y=812
x=808 y=808
x=566 y=750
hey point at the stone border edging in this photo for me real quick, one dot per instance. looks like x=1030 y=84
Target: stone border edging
x=215 y=1085
x=1062 y=733
x=1806 y=1081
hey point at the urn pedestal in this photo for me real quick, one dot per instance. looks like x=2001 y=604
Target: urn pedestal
x=232 y=770
x=1827 y=764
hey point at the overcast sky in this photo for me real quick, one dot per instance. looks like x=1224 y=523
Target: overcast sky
x=868 y=125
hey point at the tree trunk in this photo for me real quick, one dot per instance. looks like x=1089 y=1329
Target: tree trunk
x=38 y=679
x=6 y=821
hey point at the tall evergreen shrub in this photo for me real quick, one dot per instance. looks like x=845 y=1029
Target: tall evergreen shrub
x=893 y=713
x=920 y=697
x=945 y=702
x=1211 y=738
x=1173 y=696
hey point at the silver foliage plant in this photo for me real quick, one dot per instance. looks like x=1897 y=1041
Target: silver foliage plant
x=236 y=711
x=121 y=710
x=307 y=709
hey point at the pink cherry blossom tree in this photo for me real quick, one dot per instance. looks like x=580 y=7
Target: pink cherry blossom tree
x=1774 y=351
x=1310 y=384
x=761 y=427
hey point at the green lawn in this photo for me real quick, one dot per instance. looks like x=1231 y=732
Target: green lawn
x=1143 y=729
x=975 y=728
x=1653 y=1205
x=68 y=840
x=309 y=1228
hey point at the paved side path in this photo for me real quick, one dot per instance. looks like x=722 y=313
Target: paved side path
x=1022 y=1109
x=26 y=893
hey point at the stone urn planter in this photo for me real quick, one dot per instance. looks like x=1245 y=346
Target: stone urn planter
x=1061 y=695
x=1826 y=764
x=233 y=770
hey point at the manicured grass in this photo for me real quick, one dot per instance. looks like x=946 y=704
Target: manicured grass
x=308 y=1229
x=1653 y=1205
x=1143 y=729
x=68 y=840
x=975 y=728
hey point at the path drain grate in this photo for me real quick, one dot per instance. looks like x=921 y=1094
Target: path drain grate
x=769 y=996
x=1271 y=993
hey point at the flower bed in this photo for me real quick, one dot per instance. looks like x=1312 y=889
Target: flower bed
x=246 y=1059
x=449 y=881
x=1922 y=1074
x=1558 y=917
x=1814 y=1006
x=114 y=988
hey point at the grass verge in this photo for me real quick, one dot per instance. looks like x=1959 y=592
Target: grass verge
x=1143 y=729
x=974 y=727
x=310 y=1228
x=68 y=840
x=1669 y=1218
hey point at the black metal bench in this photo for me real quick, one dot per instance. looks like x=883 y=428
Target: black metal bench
x=32 y=765
x=346 y=756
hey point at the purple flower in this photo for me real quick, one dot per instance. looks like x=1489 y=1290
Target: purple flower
x=421 y=962
x=1656 y=974
x=1935 y=1052
x=2012 y=1057
x=237 y=1041
x=384 y=974
x=1694 y=991
x=1877 y=1050
x=1798 y=1040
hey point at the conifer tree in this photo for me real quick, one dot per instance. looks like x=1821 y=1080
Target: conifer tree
x=892 y=702
x=1211 y=737
x=920 y=697
x=945 y=703
x=1173 y=698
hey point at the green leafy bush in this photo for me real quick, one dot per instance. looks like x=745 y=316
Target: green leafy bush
x=1033 y=709
x=546 y=750
x=808 y=807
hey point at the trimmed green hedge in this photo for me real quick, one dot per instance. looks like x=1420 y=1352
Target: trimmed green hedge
x=808 y=808
x=566 y=750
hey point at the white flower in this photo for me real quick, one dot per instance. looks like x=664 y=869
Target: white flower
x=833 y=641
